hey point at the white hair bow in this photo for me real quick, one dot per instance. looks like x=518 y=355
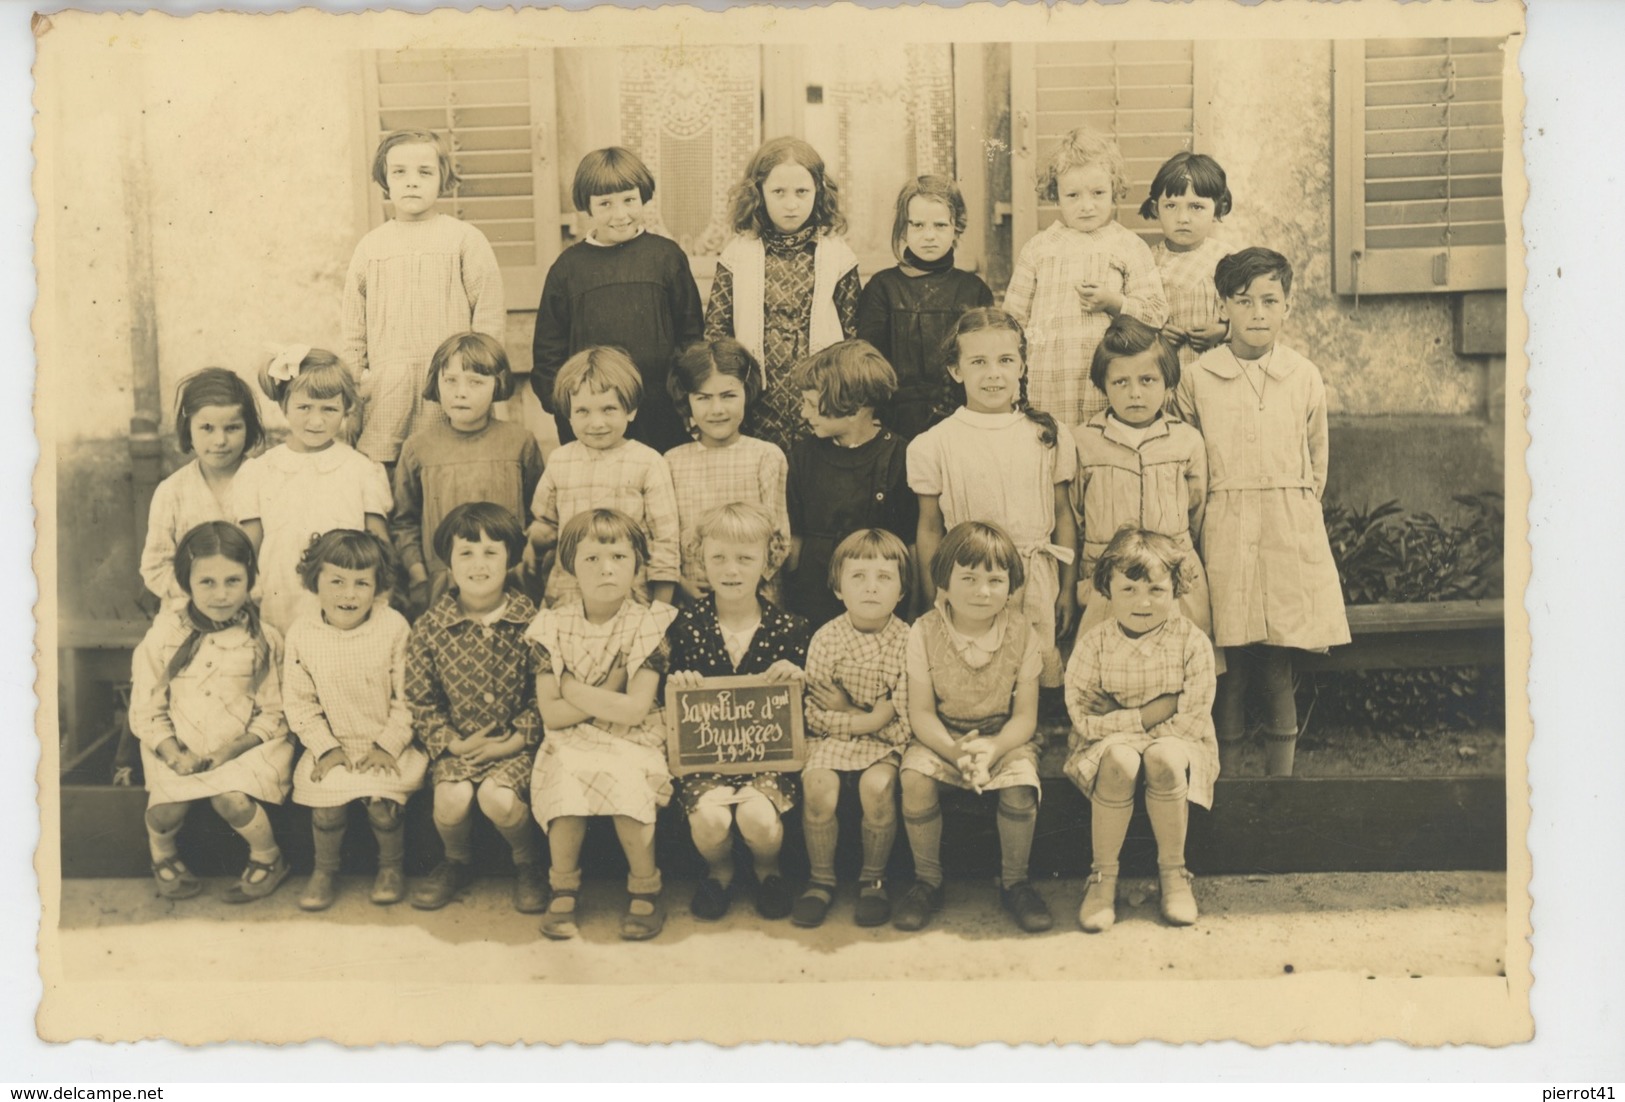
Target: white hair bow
x=285 y=361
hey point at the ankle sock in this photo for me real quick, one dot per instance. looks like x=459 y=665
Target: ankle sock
x=261 y=841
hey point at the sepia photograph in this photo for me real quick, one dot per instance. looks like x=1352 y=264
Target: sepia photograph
x=990 y=524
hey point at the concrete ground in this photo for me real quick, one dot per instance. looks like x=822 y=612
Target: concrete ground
x=1388 y=925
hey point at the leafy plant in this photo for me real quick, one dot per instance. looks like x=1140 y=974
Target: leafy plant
x=1385 y=555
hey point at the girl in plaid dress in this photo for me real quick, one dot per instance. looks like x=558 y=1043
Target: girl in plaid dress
x=206 y=706
x=1139 y=688
x=857 y=720
x=1189 y=196
x=413 y=282
x=973 y=665
x=602 y=655
x=603 y=469
x=1073 y=277
x=471 y=681
x=787 y=284
x=713 y=384
x=344 y=688
x=733 y=631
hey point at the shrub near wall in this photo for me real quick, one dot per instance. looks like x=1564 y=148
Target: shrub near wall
x=1387 y=556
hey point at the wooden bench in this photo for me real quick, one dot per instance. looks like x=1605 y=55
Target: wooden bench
x=1430 y=633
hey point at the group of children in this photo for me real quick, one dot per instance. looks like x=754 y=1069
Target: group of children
x=901 y=497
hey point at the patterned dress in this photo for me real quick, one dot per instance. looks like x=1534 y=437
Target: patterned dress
x=870 y=666
x=993 y=467
x=1061 y=334
x=598 y=768
x=790 y=321
x=217 y=697
x=1187 y=280
x=463 y=675
x=1173 y=658
x=704 y=477
x=975 y=684
x=297 y=496
x=1264 y=539
x=179 y=504
x=347 y=689
x=697 y=644
x=410 y=286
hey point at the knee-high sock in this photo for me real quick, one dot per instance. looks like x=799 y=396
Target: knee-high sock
x=391 y=835
x=877 y=843
x=456 y=838
x=1108 y=826
x=924 y=828
x=1016 y=825
x=822 y=836
x=256 y=832
x=1169 y=814
x=329 y=842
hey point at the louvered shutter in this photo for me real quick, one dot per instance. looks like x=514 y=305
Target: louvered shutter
x=1417 y=173
x=1144 y=93
x=495 y=107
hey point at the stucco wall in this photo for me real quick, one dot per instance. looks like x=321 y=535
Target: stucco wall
x=1270 y=127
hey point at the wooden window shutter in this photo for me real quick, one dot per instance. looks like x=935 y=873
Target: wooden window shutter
x=1417 y=152
x=1148 y=94
x=496 y=109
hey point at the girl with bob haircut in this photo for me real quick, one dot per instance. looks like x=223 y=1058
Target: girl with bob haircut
x=1073 y=277
x=413 y=281
x=602 y=468
x=206 y=707
x=622 y=284
x=218 y=422
x=973 y=666
x=733 y=632
x=906 y=311
x=471 y=681
x=1139 y=688
x=1139 y=464
x=602 y=656
x=857 y=721
x=850 y=473
x=713 y=385
x=471 y=456
x=1189 y=197
x=787 y=284
x=344 y=688
x=311 y=483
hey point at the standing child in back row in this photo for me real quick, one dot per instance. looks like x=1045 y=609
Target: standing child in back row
x=1074 y=277
x=413 y=282
x=787 y=284
x=621 y=285
x=906 y=311
x=1261 y=408
x=1189 y=196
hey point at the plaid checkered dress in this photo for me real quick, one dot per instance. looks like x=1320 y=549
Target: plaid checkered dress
x=870 y=666
x=593 y=768
x=1187 y=280
x=462 y=675
x=748 y=470
x=1174 y=658
x=1061 y=334
x=631 y=477
x=347 y=689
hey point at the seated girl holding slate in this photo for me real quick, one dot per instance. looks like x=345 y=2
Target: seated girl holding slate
x=732 y=631
x=601 y=655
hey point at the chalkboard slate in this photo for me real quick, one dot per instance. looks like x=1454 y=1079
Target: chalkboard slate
x=735 y=725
